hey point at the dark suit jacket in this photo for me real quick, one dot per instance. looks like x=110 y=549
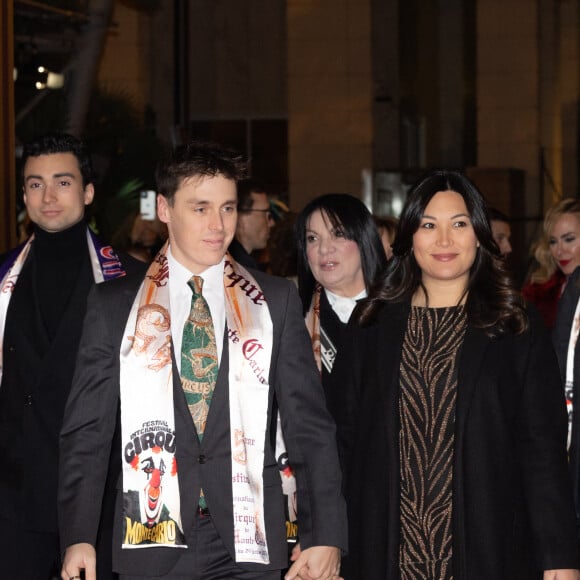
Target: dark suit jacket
x=561 y=337
x=512 y=502
x=294 y=388
x=37 y=377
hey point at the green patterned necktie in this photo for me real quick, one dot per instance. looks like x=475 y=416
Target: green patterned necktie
x=199 y=361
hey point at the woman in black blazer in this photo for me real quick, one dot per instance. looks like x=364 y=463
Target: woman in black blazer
x=340 y=257
x=450 y=415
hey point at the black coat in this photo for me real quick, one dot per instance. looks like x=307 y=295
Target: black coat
x=36 y=380
x=561 y=337
x=512 y=501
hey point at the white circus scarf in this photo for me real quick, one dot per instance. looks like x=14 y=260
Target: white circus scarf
x=312 y=320
x=151 y=502
x=104 y=262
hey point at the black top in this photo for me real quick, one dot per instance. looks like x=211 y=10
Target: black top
x=60 y=258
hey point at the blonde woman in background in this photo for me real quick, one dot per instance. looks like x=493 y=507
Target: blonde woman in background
x=557 y=253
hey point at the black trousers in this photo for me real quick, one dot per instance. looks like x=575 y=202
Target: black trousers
x=37 y=555
x=206 y=558
x=30 y=555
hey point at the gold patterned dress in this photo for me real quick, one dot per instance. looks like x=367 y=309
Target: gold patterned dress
x=428 y=391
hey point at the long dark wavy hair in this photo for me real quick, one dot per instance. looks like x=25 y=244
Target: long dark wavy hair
x=349 y=215
x=493 y=302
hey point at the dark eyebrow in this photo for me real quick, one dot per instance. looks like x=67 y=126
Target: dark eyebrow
x=56 y=175
x=453 y=217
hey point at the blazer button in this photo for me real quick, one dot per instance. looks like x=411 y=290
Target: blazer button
x=11 y=348
x=202 y=459
x=28 y=400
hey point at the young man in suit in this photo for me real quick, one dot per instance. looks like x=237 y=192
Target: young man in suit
x=43 y=290
x=206 y=359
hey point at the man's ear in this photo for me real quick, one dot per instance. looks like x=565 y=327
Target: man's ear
x=89 y=193
x=163 y=209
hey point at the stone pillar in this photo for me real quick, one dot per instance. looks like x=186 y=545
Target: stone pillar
x=385 y=61
x=330 y=113
x=450 y=84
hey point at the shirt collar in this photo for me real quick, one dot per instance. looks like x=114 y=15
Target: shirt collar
x=343 y=305
x=180 y=275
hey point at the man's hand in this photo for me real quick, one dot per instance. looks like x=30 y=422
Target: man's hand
x=561 y=575
x=79 y=557
x=316 y=563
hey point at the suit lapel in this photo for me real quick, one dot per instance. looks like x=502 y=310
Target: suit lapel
x=393 y=332
x=393 y=324
x=471 y=358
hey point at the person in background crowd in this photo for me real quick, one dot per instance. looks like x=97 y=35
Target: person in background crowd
x=501 y=230
x=201 y=357
x=387 y=227
x=44 y=287
x=139 y=237
x=282 y=251
x=254 y=223
x=557 y=254
x=450 y=385
x=340 y=256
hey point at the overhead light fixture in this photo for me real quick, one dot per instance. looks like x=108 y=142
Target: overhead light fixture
x=54 y=80
x=48 y=79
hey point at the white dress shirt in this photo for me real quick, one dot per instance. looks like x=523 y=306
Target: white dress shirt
x=180 y=301
x=342 y=305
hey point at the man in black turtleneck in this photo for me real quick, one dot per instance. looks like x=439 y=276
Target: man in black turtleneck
x=43 y=289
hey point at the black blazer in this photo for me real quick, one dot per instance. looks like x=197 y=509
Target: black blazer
x=561 y=336
x=294 y=388
x=512 y=501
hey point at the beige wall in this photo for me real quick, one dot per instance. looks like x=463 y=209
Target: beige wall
x=311 y=61
x=508 y=89
x=329 y=96
x=124 y=63
x=528 y=92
